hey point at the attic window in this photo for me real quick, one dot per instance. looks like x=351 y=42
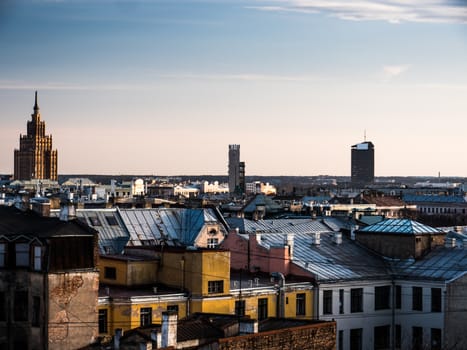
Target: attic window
x=111 y=220
x=95 y=221
x=212 y=231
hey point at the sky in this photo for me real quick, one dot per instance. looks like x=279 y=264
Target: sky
x=163 y=87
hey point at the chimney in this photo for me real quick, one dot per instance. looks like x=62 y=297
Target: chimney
x=316 y=238
x=67 y=208
x=449 y=242
x=290 y=243
x=337 y=237
x=169 y=329
x=117 y=336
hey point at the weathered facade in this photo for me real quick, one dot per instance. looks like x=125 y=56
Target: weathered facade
x=48 y=282
x=35 y=158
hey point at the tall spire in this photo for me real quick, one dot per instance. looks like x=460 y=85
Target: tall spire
x=36 y=106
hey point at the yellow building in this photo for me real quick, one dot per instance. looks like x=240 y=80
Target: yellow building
x=138 y=286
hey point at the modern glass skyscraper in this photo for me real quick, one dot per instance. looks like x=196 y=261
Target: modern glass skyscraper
x=363 y=163
x=35 y=158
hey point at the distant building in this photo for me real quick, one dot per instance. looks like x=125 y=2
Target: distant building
x=236 y=170
x=260 y=187
x=35 y=158
x=363 y=163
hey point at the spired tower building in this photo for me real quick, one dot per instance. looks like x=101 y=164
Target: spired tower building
x=35 y=158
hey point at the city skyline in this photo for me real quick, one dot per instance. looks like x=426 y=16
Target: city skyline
x=163 y=87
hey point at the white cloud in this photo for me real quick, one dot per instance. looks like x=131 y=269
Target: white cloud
x=394 y=71
x=393 y=11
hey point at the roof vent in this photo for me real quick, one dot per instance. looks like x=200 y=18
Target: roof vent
x=316 y=238
x=337 y=237
x=449 y=242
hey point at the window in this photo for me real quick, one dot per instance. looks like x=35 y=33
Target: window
x=3 y=307
x=240 y=307
x=356 y=339
x=356 y=300
x=340 y=340
x=21 y=306
x=341 y=301
x=94 y=220
x=172 y=308
x=435 y=339
x=145 y=316
x=382 y=337
x=103 y=321
x=398 y=335
x=382 y=297
x=398 y=297
x=22 y=254
x=37 y=258
x=215 y=287
x=417 y=337
x=300 y=306
x=327 y=302
x=213 y=242
x=36 y=311
x=417 y=298
x=111 y=220
x=262 y=308
x=110 y=273
x=2 y=254
x=435 y=299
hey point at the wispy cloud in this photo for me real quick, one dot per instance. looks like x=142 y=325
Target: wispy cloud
x=393 y=71
x=393 y=11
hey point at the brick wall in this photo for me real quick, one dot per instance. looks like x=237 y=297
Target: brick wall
x=320 y=336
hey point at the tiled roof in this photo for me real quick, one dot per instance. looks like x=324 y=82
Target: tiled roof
x=400 y=226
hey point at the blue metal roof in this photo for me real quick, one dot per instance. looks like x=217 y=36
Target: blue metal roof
x=400 y=226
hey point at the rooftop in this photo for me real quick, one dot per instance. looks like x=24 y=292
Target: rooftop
x=400 y=226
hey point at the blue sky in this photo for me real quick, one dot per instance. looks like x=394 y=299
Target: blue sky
x=162 y=87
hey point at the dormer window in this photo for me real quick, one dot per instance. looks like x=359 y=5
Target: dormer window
x=22 y=254
x=37 y=258
x=2 y=254
x=212 y=231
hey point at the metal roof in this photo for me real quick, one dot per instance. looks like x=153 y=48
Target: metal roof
x=113 y=234
x=277 y=225
x=171 y=226
x=329 y=261
x=442 y=264
x=411 y=198
x=400 y=226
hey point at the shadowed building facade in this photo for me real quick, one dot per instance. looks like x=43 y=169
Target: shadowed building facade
x=35 y=158
x=236 y=171
x=363 y=163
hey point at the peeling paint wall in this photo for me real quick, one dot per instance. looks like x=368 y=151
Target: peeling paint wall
x=72 y=314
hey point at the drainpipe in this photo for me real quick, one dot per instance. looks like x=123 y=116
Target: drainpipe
x=281 y=296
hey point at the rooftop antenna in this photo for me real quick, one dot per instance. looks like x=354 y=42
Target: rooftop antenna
x=364 y=135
